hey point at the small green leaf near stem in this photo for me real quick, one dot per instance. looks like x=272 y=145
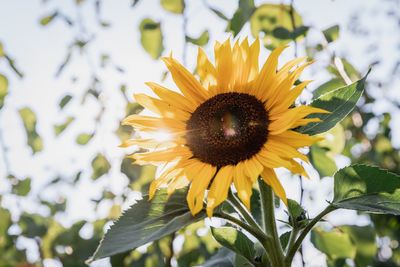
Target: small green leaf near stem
x=292 y=249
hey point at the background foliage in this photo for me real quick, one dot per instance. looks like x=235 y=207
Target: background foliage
x=38 y=221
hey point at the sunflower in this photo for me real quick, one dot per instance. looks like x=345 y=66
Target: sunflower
x=232 y=125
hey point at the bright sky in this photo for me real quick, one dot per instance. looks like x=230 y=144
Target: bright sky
x=38 y=51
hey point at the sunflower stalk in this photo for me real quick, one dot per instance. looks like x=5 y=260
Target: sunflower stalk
x=273 y=246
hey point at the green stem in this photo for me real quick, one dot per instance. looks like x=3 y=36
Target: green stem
x=292 y=250
x=292 y=238
x=257 y=233
x=269 y=223
x=242 y=210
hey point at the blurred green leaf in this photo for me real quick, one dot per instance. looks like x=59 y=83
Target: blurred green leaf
x=235 y=241
x=364 y=239
x=49 y=18
x=367 y=188
x=3 y=89
x=334 y=140
x=328 y=87
x=174 y=6
x=2 y=53
x=100 y=166
x=64 y=101
x=339 y=103
x=284 y=239
x=83 y=138
x=151 y=37
x=273 y=23
x=218 y=13
x=202 y=40
x=23 y=187
x=336 y=244
x=5 y=223
x=147 y=221
x=33 y=225
x=332 y=33
x=348 y=68
x=29 y=121
x=59 y=128
x=132 y=171
x=241 y=16
x=325 y=165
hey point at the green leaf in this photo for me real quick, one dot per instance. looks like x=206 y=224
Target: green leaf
x=339 y=103
x=64 y=101
x=241 y=16
x=235 y=241
x=364 y=237
x=325 y=165
x=49 y=18
x=33 y=225
x=2 y=53
x=202 y=40
x=22 y=187
x=3 y=89
x=332 y=33
x=174 y=6
x=334 y=140
x=297 y=215
x=29 y=121
x=223 y=258
x=284 y=239
x=100 y=166
x=59 y=128
x=274 y=24
x=83 y=138
x=367 y=188
x=327 y=87
x=151 y=37
x=336 y=244
x=147 y=221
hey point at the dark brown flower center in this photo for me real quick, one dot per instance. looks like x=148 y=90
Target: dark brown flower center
x=227 y=128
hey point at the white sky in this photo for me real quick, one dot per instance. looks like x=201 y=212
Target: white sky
x=38 y=51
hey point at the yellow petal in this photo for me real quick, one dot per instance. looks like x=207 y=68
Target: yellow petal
x=219 y=188
x=295 y=139
x=172 y=98
x=186 y=82
x=272 y=180
x=223 y=65
x=243 y=184
x=253 y=168
x=205 y=69
x=148 y=123
x=262 y=85
x=166 y=155
x=161 y=107
x=199 y=184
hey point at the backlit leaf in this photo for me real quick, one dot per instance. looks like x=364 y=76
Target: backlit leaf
x=100 y=166
x=367 y=188
x=331 y=33
x=59 y=128
x=202 y=40
x=83 y=138
x=235 y=240
x=336 y=244
x=151 y=37
x=29 y=121
x=174 y=6
x=241 y=16
x=339 y=102
x=147 y=221
x=3 y=89
x=273 y=23
x=325 y=165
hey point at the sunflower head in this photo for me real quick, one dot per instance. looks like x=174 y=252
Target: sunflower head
x=232 y=125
